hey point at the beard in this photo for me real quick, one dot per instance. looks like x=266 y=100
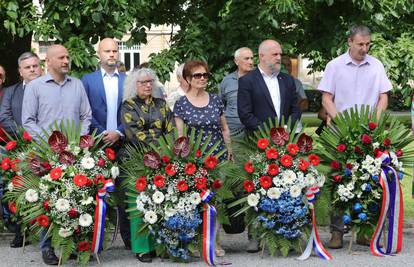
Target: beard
x=274 y=67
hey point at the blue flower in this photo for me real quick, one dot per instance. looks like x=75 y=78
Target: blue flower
x=346 y=219
x=357 y=207
x=362 y=216
x=375 y=178
x=347 y=172
x=368 y=188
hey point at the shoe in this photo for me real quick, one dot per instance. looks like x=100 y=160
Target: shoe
x=17 y=242
x=253 y=246
x=49 y=257
x=144 y=257
x=336 y=240
x=361 y=240
x=220 y=252
x=73 y=256
x=153 y=254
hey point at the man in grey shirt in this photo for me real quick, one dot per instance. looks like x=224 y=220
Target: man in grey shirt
x=54 y=97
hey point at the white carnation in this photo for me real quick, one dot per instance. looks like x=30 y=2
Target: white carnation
x=85 y=220
x=273 y=193
x=195 y=198
x=10 y=187
x=88 y=163
x=289 y=176
x=63 y=232
x=62 y=204
x=252 y=200
x=295 y=191
x=114 y=172
x=31 y=195
x=158 y=197
x=150 y=217
x=87 y=201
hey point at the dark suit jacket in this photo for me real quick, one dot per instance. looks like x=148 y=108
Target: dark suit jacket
x=95 y=90
x=11 y=108
x=254 y=102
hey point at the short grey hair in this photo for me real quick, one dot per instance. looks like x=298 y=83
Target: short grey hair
x=26 y=55
x=179 y=71
x=130 y=84
x=238 y=51
x=359 y=29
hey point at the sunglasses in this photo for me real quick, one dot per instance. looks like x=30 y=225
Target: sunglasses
x=146 y=82
x=198 y=76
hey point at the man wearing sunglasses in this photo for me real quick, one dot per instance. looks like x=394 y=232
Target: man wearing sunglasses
x=266 y=92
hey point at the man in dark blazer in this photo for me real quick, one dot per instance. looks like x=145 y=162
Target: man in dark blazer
x=11 y=109
x=266 y=92
x=104 y=88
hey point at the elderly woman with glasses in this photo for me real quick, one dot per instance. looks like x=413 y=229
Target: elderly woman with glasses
x=201 y=110
x=145 y=118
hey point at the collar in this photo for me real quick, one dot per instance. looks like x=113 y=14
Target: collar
x=348 y=60
x=265 y=75
x=142 y=101
x=49 y=78
x=234 y=75
x=104 y=73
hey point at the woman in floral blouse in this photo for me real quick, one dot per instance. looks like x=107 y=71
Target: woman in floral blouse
x=145 y=118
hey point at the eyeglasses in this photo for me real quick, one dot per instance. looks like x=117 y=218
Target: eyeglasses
x=198 y=76
x=150 y=82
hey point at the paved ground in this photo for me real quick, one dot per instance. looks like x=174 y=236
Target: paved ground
x=234 y=245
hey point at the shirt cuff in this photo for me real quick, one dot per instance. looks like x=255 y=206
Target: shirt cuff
x=119 y=132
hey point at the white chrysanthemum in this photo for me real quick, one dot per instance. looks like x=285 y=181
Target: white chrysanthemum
x=252 y=200
x=158 y=197
x=114 y=172
x=88 y=163
x=63 y=232
x=195 y=198
x=140 y=204
x=277 y=181
x=150 y=217
x=87 y=201
x=31 y=195
x=10 y=187
x=62 y=204
x=289 y=176
x=174 y=198
x=273 y=193
x=295 y=191
x=169 y=212
x=85 y=220
x=143 y=197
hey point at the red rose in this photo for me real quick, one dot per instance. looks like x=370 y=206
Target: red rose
x=170 y=169
x=46 y=205
x=341 y=147
x=248 y=167
x=357 y=150
x=17 y=181
x=349 y=166
x=273 y=169
x=182 y=186
x=165 y=159
x=372 y=125
x=141 y=183
x=293 y=149
x=101 y=162
x=286 y=161
x=265 y=182
x=43 y=220
x=27 y=137
x=5 y=164
x=314 y=159
x=11 y=145
x=110 y=153
x=303 y=165
x=190 y=168
x=12 y=207
x=337 y=178
x=386 y=142
x=15 y=165
x=72 y=213
x=366 y=139
x=55 y=173
x=210 y=162
x=262 y=143
x=83 y=246
x=201 y=183
x=198 y=153
x=248 y=186
x=216 y=184
x=80 y=180
x=159 y=181
x=272 y=153
x=399 y=153
x=335 y=165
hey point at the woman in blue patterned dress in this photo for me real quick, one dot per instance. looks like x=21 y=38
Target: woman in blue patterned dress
x=199 y=109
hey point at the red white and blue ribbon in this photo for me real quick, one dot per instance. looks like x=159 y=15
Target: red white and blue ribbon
x=100 y=215
x=314 y=242
x=392 y=208
x=209 y=234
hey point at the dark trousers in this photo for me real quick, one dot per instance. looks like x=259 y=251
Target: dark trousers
x=124 y=225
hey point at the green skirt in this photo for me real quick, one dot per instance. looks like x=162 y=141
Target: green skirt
x=140 y=243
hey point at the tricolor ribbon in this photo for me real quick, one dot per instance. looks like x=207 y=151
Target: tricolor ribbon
x=314 y=242
x=100 y=215
x=392 y=208
x=209 y=234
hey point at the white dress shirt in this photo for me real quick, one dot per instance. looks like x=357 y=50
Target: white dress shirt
x=272 y=84
x=110 y=82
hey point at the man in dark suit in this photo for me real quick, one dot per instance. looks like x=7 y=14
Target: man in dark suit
x=266 y=92
x=104 y=88
x=11 y=108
